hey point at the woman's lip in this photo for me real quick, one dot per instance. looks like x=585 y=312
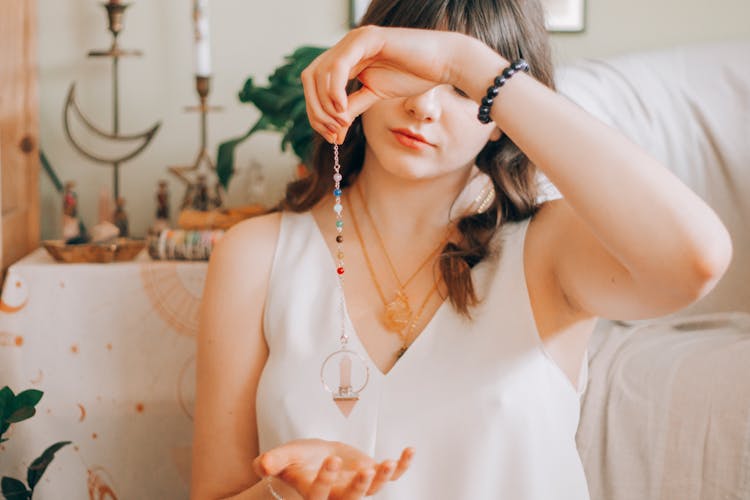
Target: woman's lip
x=407 y=139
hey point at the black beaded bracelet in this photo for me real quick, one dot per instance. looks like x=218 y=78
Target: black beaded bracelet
x=500 y=80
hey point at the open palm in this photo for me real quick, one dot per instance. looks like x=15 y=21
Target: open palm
x=320 y=469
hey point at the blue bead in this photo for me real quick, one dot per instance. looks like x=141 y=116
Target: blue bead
x=337 y=192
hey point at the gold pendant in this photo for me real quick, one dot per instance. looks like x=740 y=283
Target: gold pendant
x=397 y=313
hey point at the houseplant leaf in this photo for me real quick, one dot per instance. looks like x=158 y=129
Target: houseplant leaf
x=13 y=489
x=38 y=466
x=300 y=137
x=282 y=107
x=29 y=397
x=20 y=414
x=6 y=400
x=225 y=155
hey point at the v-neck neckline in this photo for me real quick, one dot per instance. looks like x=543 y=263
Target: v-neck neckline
x=350 y=324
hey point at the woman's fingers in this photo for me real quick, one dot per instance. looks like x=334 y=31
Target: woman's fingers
x=327 y=475
x=382 y=475
x=360 y=101
x=403 y=463
x=322 y=87
x=319 y=120
x=359 y=485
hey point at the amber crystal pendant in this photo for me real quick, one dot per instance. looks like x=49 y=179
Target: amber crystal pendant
x=398 y=313
x=401 y=351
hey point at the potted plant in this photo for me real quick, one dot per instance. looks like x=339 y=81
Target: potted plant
x=13 y=409
x=282 y=107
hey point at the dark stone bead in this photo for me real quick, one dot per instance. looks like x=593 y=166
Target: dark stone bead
x=484 y=118
x=508 y=72
x=519 y=65
x=339 y=239
x=493 y=91
x=486 y=101
x=484 y=110
x=500 y=81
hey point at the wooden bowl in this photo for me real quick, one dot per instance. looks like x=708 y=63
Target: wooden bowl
x=119 y=250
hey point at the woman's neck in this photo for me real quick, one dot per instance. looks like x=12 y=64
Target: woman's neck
x=405 y=208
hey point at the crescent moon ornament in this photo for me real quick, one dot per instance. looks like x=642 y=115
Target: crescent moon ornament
x=143 y=138
x=115 y=14
x=15 y=293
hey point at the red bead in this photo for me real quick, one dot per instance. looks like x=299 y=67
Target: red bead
x=340 y=270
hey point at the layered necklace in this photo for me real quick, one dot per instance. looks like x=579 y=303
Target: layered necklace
x=345 y=373
x=398 y=316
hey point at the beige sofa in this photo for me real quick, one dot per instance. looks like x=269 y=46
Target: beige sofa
x=666 y=415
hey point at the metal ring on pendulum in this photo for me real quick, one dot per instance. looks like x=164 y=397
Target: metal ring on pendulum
x=353 y=374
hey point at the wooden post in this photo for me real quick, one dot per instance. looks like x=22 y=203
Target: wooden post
x=19 y=130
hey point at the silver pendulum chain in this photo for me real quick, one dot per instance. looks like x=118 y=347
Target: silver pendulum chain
x=348 y=368
x=338 y=208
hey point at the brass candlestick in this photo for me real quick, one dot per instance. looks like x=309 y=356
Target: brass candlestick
x=196 y=194
x=115 y=13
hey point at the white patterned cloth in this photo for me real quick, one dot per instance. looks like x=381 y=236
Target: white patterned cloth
x=112 y=346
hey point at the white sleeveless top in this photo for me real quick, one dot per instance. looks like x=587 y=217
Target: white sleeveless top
x=489 y=413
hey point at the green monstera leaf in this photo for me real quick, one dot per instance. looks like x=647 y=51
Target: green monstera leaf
x=282 y=107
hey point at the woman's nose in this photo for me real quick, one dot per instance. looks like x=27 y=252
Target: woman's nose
x=424 y=106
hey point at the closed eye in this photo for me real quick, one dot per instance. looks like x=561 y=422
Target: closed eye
x=460 y=92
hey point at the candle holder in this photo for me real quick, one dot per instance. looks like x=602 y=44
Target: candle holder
x=115 y=14
x=197 y=194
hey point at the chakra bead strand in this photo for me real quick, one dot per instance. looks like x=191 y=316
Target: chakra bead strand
x=338 y=209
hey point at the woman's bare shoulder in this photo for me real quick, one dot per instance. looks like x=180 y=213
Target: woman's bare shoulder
x=241 y=262
x=252 y=237
x=251 y=242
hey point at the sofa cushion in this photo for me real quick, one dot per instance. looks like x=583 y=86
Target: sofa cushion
x=690 y=108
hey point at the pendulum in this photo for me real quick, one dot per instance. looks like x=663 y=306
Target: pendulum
x=344 y=373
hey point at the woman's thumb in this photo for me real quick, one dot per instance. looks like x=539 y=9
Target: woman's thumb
x=265 y=465
x=359 y=101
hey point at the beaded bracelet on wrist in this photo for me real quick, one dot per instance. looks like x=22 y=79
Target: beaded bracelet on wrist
x=500 y=80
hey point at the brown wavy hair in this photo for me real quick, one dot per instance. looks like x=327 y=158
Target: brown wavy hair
x=513 y=28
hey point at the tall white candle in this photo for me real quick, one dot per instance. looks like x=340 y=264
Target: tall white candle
x=202 y=38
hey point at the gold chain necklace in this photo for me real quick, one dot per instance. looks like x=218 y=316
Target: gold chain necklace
x=404 y=328
x=398 y=314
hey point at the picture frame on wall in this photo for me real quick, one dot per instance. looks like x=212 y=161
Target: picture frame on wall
x=561 y=16
x=565 y=16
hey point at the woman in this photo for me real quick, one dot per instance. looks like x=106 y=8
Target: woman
x=470 y=303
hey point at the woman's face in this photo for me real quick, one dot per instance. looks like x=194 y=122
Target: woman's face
x=444 y=117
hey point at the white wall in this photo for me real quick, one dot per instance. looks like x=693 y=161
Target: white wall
x=616 y=26
x=250 y=37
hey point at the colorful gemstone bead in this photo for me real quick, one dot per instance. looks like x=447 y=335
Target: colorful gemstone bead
x=337 y=177
x=338 y=208
x=340 y=255
x=340 y=270
x=339 y=223
x=339 y=239
x=336 y=192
